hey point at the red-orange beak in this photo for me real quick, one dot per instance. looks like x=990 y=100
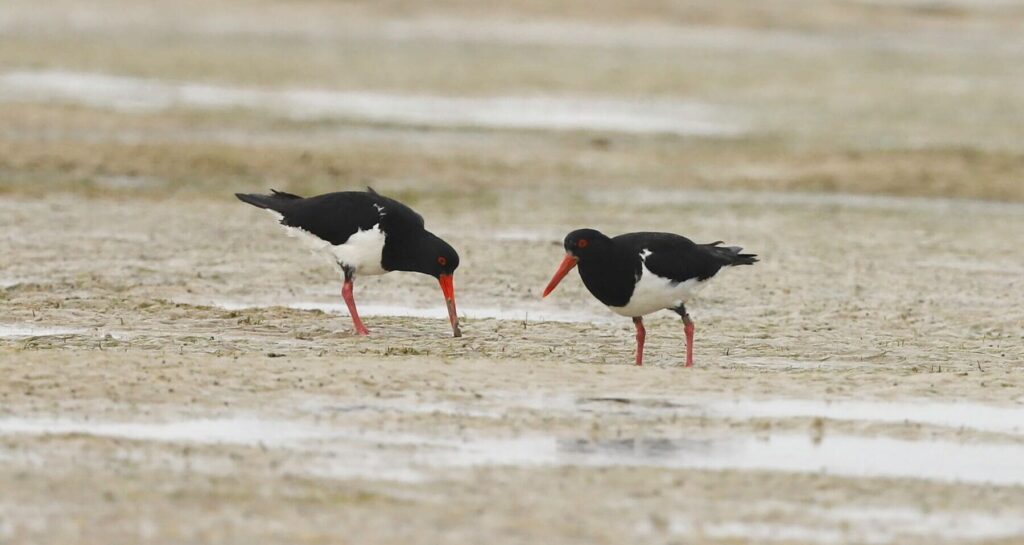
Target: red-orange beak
x=448 y=288
x=567 y=265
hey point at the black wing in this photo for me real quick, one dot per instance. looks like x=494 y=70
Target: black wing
x=335 y=217
x=679 y=258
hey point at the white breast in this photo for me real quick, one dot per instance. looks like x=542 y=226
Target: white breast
x=653 y=293
x=362 y=251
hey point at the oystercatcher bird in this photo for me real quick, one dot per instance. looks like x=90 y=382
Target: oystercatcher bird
x=365 y=233
x=639 y=273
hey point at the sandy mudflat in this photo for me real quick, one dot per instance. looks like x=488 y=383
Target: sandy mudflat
x=176 y=370
x=161 y=367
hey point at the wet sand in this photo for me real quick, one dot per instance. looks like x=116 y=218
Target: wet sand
x=167 y=364
x=176 y=370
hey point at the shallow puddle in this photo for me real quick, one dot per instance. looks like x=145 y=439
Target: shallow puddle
x=369 y=454
x=555 y=113
x=973 y=416
x=976 y=417
x=839 y=455
x=16 y=331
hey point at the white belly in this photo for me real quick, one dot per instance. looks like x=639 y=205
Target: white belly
x=653 y=293
x=362 y=251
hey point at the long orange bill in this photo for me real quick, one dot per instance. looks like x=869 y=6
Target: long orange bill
x=448 y=288
x=567 y=265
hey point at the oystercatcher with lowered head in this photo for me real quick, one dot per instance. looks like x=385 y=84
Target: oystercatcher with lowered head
x=365 y=233
x=639 y=273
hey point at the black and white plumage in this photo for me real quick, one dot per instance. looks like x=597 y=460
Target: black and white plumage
x=636 y=274
x=365 y=233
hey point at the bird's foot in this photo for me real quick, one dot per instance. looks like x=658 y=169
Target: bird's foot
x=362 y=331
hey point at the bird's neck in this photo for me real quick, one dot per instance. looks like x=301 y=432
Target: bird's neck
x=404 y=251
x=609 y=275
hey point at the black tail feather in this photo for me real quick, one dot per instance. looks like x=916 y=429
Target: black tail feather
x=731 y=255
x=274 y=201
x=744 y=259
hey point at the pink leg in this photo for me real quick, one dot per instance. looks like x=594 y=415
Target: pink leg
x=688 y=328
x=346 y=293
x=641 y=334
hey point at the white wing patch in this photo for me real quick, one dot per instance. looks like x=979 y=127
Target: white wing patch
x=362 y=251
x=653 y=293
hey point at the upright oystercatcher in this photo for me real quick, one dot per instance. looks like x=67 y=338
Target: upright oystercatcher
x=639 y=273
x=365 y=233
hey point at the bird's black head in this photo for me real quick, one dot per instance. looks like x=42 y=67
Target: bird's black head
x=426 y=253
x=585 y=243
x=580 y=245
x=445 y=259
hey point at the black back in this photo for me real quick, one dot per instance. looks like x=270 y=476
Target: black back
x=611 y=267
x=335 y=217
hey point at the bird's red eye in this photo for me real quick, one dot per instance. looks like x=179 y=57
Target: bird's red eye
x=582 y=243
x=442 y=261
